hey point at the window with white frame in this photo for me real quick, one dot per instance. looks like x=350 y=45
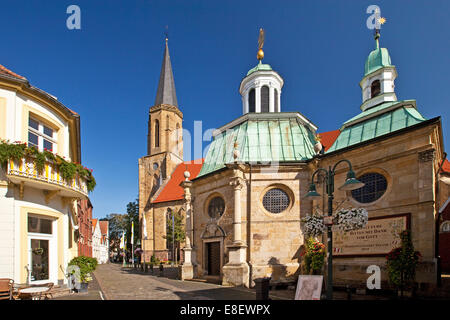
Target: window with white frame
x=41 y=136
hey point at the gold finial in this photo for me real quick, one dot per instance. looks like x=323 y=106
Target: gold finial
x=260 y=54
x=318 y=138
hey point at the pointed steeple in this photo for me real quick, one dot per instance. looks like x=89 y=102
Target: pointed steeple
x=166 y=88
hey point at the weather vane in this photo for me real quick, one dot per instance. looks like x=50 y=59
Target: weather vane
x=260 y=54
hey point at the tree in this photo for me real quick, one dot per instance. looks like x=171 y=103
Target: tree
x=175 y=229
x=117 y=224
x=133 y=216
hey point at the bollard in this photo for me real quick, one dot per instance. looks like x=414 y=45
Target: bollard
x=151 y=267
x=262 y=288
x=161 y=269
x=349 y=292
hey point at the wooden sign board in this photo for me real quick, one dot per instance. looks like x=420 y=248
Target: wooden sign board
x=378 y=238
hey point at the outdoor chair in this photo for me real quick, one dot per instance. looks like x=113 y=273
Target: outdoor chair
x=6 y=288
x=47 y=294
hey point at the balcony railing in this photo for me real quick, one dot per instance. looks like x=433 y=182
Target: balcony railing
x=24 y=170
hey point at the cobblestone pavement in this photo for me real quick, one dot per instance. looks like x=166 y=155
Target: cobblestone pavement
x=121 y=283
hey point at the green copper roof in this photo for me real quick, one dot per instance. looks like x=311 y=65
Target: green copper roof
x=377 y=126
x=378 y=108
x=260 y=67
x=261 y=141
x=377 y=59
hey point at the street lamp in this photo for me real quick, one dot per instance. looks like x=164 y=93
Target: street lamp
x=351 y=183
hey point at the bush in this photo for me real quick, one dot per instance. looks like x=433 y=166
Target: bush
x=314 y=256
x=402 y=261
x=86 y=265
x=154 y=260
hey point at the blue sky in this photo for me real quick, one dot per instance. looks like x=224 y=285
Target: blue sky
x=108 y=71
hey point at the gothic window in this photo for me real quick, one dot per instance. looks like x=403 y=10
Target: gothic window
x=251 y=101
x=156 y=133
x=277 y=108
x=375 y=186
x=216 y=207
x=375 y=88
x=265 y=99
x=276 y=200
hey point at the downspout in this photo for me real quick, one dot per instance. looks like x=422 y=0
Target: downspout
x=436 y=228
x=249 y=214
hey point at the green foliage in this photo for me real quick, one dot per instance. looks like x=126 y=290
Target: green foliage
x=154 y=260
x=86 y=265
x=175 y=227
x=133 y=216
x=402 y=261
x=68 y=170
x=117 y=223
x=313 y=256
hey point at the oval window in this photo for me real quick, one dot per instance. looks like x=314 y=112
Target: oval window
x=375 y=186
x=276 y=200
x=216 y=207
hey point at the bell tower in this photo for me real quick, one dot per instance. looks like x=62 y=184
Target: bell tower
x=164 y=153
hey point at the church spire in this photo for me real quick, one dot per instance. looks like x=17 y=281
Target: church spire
x=166 y=88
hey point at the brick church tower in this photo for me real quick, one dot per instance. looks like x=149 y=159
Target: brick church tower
x=164 y=154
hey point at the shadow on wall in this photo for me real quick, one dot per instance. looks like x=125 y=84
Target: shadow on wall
x=279 y=271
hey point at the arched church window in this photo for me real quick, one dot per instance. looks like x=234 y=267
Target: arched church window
x=277 y=109
x=375 y=88
x=216 y=207
x=156 y=133
x=265 y=99
x=251 y=101
x=276 y=200
x=375 y=186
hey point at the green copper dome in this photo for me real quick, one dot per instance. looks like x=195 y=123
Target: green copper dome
x=377 y=59
x=260 y=67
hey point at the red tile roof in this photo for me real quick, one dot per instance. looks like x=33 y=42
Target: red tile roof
x=8 y=72
x=172 y=191
x=328 y=138
x=446 y=166
x=94 y=223
x=103 y=227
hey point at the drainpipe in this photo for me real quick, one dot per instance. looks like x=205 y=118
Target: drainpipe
x=436 y=236
x=249 y=206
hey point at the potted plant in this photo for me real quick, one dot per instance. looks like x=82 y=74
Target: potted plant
x=401 y=264
x=86 y=265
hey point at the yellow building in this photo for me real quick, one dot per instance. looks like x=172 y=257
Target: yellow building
x=40 y=182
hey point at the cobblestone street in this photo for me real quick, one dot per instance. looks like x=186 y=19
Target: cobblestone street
x=120 y=283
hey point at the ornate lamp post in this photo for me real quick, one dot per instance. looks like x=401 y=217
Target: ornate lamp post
x=351 y=183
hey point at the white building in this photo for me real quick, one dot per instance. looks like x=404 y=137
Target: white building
x=37 y=194
x=100 y=241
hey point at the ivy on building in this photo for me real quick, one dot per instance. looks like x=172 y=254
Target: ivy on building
x=18 y=150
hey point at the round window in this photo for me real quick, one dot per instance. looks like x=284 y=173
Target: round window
x=155 y=166
x=276 y=200
x=375 y=186
x=216 y=207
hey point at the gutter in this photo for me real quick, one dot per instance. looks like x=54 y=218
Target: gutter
x=436 y=228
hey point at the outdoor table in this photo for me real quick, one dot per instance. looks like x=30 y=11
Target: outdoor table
x=35 y=292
